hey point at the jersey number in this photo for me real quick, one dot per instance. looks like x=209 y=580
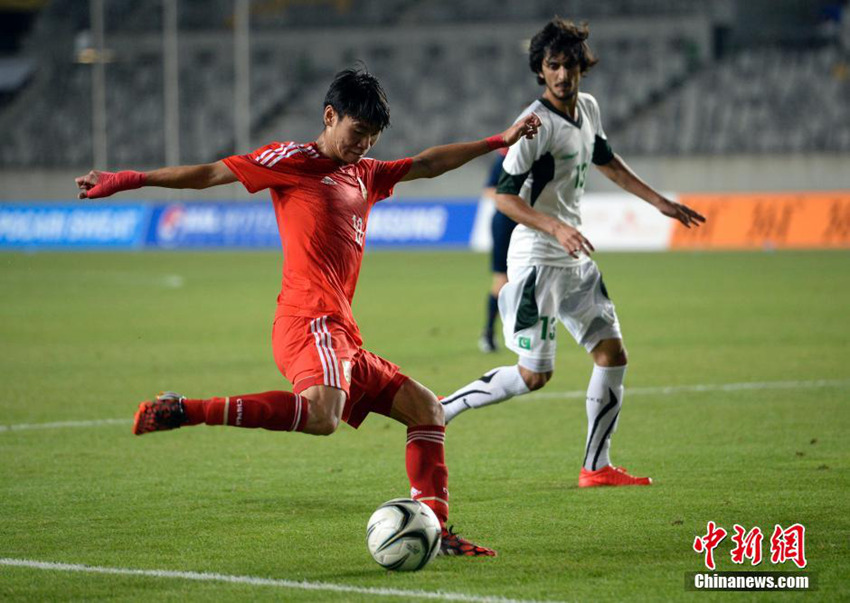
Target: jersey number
x=359 y=231
x=581 y=174
x=548 y=329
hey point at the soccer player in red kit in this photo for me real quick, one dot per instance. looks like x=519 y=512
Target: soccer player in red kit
x=322 y=193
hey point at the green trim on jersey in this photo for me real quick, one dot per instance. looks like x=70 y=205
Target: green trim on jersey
x=527 y=314
x=603 y=288
x=602 y=152
x=509 y=184
x=542 y=173
x=560 y=113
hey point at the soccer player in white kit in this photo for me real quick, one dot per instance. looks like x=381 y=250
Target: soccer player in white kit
x=551 y=277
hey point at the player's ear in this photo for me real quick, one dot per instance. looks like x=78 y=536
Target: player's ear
x=330 y=116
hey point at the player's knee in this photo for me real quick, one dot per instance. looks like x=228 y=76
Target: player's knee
x=610 y=360
x=621 y=358
x=325 y=415
x=534 y=380
x=325 y=425
x=539 y=380
x=428 y=410
x=415 y=404
x=610 y=353
x=435 y=412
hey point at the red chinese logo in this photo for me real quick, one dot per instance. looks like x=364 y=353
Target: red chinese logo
x=706 y=544
x=789 y=545
x=747 y=545
x=785 y=544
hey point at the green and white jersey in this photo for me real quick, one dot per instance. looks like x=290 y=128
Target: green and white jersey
x=549 y=173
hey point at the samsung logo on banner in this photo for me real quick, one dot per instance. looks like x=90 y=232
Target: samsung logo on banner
x=408 y=224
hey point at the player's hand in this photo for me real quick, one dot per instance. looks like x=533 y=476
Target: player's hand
x=680 y=212
x=572 y=240
x=526 y=127
x=98 y=184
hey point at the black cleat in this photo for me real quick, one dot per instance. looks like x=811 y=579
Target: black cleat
x=163 y=413
x=454 y=545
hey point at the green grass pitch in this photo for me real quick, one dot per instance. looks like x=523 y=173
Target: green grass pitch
x=86 y=336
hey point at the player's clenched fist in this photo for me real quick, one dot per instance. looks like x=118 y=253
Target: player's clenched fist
x=97 y=184
x=526 y=127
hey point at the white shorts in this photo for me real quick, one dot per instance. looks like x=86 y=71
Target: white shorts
x=537 y=297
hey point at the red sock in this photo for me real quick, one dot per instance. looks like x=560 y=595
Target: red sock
x=426 y=468
x=278 y=411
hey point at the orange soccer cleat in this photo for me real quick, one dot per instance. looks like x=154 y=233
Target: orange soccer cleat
x=452 y=544
x=610 y=476
x=165 y=412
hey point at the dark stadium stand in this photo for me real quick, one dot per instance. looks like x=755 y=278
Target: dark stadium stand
x=756 y=101
x=451 y=70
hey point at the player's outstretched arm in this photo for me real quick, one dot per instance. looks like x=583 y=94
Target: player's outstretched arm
x=439 y=160
x=98 y=184
x=622 y=175
x=514 y=207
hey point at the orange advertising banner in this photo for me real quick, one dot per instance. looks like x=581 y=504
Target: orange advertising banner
x=816 y=220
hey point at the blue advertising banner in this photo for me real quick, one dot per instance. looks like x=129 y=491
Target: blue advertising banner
x=226 y=225
x=74 y=226
x=253 y=225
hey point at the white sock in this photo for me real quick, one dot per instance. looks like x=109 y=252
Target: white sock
x=496 y=386
x=604 y=399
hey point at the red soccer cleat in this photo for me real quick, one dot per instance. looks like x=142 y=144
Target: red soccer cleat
x=165 y=412
x=610 y=476
x=452 y=544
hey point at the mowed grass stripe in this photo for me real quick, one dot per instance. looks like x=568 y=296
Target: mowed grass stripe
x=257 y=581
x=631 y=391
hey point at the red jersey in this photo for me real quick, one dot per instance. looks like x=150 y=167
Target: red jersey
x=322 y=208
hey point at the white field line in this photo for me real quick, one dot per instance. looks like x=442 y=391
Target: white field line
x=62 y=424
x=710 y=387
x=256 y=581
x=580 y=394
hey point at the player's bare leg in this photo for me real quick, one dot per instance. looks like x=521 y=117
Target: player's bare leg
x=326 y=406
x=417 y=407
x=604 y=400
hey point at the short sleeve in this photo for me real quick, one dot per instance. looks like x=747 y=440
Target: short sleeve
x=522 y=155
x=520 y=159
x=602 y=152
x=385 y=175
x=263 y=168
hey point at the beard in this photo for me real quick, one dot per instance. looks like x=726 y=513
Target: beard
x=563 y=93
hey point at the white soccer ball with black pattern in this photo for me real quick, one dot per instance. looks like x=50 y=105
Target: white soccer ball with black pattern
x=403 y=535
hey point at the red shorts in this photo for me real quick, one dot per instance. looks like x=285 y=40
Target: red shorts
x=320 y=351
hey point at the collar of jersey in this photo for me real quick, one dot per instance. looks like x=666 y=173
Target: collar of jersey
x=337 y=165
x=560 y=113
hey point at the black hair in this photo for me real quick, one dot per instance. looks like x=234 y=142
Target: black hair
x=358 y=94
x=561 y=36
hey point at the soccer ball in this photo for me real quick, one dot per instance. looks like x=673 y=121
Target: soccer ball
x=403 y=535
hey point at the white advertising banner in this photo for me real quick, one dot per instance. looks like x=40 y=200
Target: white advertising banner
x=611 y=221
x=622 y=222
